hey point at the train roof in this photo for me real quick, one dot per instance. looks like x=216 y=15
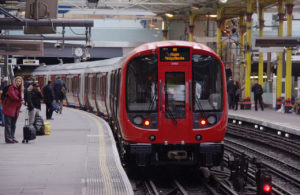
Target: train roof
x=154 y=45
x=80 y=67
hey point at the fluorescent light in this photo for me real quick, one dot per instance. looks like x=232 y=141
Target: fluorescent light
x=211 y=16
x=169 y=15
x=223 y=1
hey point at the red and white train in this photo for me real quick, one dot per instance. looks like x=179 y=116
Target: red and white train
x=166 y=101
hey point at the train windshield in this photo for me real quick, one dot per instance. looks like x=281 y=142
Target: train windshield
x=207 y=83
x=141 y=84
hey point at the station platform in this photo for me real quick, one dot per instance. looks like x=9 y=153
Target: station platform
x=78 y=157
x=286 y=122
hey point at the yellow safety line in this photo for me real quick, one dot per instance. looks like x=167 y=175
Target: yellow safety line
x=108 y=187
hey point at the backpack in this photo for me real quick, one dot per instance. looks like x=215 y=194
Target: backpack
x=4 y=91
x=259 y=90
x=39 y=125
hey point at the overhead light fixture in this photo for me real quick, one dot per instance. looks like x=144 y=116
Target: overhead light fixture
x=223 y=1
x=169 y=15
x=212 y=15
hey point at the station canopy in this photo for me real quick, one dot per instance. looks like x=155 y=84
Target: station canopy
x=177 y=8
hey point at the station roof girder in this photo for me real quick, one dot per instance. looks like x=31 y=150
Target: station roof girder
x=179 y=8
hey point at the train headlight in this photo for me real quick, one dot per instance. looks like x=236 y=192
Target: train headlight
x=203 y=122
x=138 y=120
x=147 y=123
x=211 y=119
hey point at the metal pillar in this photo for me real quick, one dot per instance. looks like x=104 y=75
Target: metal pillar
x=165 y=29
x=261 y=55
x=242 y=49
x=220 y=21
x=191 y=27
x=5 y=70
x=247 y=100
x=288 y=75
x=280 y=54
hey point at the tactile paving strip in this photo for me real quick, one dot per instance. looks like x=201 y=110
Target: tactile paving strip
x=105 y=174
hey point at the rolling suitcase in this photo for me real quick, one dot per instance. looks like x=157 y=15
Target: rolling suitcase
x=29 y=132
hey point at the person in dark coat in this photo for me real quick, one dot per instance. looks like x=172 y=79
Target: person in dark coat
x=11 y=108
x=34 y=101
x=48 y=99
x=26 y=85
x=231 y=88
x=59 y=91
x=258 y=91
x=237 y=95
x=228 y=72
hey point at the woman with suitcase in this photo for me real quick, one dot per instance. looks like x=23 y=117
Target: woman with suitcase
x=11 y=108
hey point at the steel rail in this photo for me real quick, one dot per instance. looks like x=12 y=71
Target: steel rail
x=278 y=189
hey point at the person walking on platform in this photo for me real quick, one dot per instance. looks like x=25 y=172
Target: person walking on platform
x=231 y=92
x=48 y=99
x=34 y=101
x=1 y=113
x=237 y=96
x=60 y=92
x=258 y=91
x=11 y=108
x=27 y=84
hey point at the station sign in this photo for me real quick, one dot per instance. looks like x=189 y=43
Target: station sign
x=277 y=41
x=24 y=48
x=31 y=62
x=11 y=61
x=174 y=54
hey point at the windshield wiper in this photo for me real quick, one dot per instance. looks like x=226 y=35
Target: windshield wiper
x=172 y=116
x=198 y=103
x=152 y=103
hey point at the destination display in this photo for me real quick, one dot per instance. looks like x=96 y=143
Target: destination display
x=174 y=54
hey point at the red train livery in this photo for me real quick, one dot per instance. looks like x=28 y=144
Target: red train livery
x=166 y=101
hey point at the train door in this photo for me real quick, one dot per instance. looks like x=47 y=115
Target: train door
x=41 y=81
x=64 y=79
x=175 y=98
x=86 y=91
x=69 y=94
x=75 y=90
x=81 y=91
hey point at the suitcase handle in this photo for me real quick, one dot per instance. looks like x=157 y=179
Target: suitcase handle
x=26 y=121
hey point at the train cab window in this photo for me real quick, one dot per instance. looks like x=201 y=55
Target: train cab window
x=175 y=94
x=141 y=84
x=207 y=83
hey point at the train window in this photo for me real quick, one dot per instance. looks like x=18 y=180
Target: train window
x=207 y=83
x=175 y=95
x=141 y=84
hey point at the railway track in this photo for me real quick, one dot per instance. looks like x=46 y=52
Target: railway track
x=281 y=163
x=287 y=143
x=186 y=182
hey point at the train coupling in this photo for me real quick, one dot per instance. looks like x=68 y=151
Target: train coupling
x=177 y=154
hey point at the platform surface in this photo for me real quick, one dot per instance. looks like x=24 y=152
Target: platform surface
x=287 y=122
x=79 y=157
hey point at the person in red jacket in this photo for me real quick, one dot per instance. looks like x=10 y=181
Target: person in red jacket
x=11 y=108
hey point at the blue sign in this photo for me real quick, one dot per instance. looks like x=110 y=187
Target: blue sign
x=61 y=9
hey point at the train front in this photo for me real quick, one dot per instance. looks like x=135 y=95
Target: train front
x=173 y=106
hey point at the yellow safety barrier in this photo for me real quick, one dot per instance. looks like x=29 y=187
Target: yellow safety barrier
x=47 y=128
